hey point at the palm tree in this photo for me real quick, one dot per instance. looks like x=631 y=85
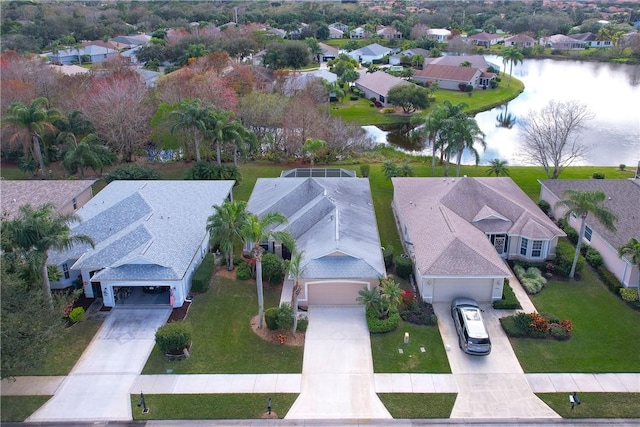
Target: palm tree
x=192 y=116
x=466 y=133
x=225 y=227
x=75 y=123
x=391 y=293
x=245 y=143
x=260 y=229
x=372 y=300
x=30 y=122
x=581 y=204
x=505 y=119
x=432 y=126
x=89 y=152
x=498 y=167
x=224 y=130
x=35 y=231
x=631 y=250
x=295 y=270
x=512 y=55
x=313 y=147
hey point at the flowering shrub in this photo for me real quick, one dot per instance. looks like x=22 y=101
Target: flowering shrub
x=281 y=338
x=628 y=294
x=407 y=296
x=566 y=325
x=537 y=325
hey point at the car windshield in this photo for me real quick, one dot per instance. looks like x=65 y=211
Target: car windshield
x=478 y=340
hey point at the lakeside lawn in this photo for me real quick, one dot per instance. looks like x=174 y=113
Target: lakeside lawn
x=223 y=341
x=605 y=334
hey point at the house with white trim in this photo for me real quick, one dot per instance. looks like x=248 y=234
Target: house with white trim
x=377 y=85
x=370 y=53
x=439 y=34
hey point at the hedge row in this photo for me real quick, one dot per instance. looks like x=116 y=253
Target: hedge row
x=509 y=300
x=377 y=326
x=202 y=276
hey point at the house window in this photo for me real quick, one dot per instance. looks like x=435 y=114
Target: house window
x=381 y=99
x=75 y=203
x=524 y=243
x=65 y=270
x=536 y=249
x=587 y=232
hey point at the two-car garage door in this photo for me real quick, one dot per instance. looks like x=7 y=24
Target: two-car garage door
x=333 y=293
x=445 y=290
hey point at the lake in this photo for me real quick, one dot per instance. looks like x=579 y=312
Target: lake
x=611 y=91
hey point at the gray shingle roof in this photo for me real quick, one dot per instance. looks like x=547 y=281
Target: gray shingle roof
x=371 y=50
x=332 y=220
x=623 y=198
x=145 y=227
x=380 y=82
x=14 y=194
x=477 y=61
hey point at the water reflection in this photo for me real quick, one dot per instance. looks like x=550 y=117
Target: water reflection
x=505 y=119
x=611 y=91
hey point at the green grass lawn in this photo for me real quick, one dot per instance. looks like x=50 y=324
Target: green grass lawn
x=605 y=335
x=66 y=349
x=387 y=359
x=210 y=406
x=223 y=341
x=418 y=405
x=360 y=112
x=18 y=408
x=595 y=405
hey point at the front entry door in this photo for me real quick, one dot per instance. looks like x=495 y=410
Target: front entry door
x=499 y=243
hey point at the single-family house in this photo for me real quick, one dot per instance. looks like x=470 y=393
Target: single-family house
x=69 y=70
x=439 y=34
x=485 y=39
x=335 y=33
x=278 y=32
x=331 y=216
x=92 y=53
x=298 y=81
x=66 y=195
x=107 y=44
x=130 y=41
x=592 y=40
x=520 y=41
x=369 y=53
x=459 y=231
x=450 y=77
x=562 y=42
x=149 y=235
x=389 y=33
x=327 y=52
x=623 y=198
x=359 y=33
x=409 y=53
x=377 y=85
x=475 y=61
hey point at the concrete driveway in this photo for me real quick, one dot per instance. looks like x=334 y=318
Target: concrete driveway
x=492 y=386
x=98 y=387
x=337 y=370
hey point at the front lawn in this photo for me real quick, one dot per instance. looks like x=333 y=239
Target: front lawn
x=223 y=341
x=595 y=405
x=210 y=406
x=605 y=334
x=18 y=408
x=360 y=112
x=418 y=405
x=387 y=358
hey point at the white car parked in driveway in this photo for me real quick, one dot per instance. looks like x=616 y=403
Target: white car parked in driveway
x=472 y=334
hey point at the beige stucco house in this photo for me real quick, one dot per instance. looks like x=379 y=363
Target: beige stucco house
x=459 y=232
x=623 y=198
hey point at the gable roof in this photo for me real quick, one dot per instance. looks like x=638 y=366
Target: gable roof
x=141 y=230
x=332 y=220
x=477 y=61
x=328 y=50
x=447 y=72
x=14 y=194
x=623 y=198
x=373 y=49
x=380 y=82
x=520 y=38
x=447 y=220
x=484 y=36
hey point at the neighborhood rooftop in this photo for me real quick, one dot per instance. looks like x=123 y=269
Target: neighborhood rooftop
x=39 y=192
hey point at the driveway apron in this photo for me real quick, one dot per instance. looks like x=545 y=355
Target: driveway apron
x=492 y=386
x=98 y=386
x=337 y=370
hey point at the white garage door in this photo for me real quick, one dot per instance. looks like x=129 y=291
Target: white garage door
x=446 y=290
x=334 y=293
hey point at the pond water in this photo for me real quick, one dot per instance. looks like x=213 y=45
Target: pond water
x=611 y=91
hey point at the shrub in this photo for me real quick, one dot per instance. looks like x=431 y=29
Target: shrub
x=373 y=99
x=531 y=279
x=388 y=110
x=76 y=315
x=622 y=166
x=354 y=97
x=597 y=175
x=131 y=172
x=377 y=326
x=566 y=325
x=629 y=294
x=364 y=170
x=404 y=267
x=387 y=254
x=272 y=268
x=511 y=326
x=572 y=234
x=544 y=206
x=271 y=318
x=551 y=318
x=417 y=312
x=173 y=336
x=211 y=171
x=593 y=257
x=509 y=300
x=557 y=332
x=202 y=276
x=285 y=316
x=243 y=272
x=564 y=259
x=538 y=324
x=609 y=279
x=303 y=324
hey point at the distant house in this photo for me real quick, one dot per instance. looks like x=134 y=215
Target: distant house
x=335 y=33
x=328 y=52
x=439 y=34
x=95 y=54
x=297 y=81
x=278 y=32
x=130 y=41
x=459 y=231
x=339 y=26
x=389 y=33
x=562 y=42
x=359 y=33
x=378 y=84
x=66 y=195
x=591 y=40
x=485 y=39
x=450 y=77
x=332 y=218
x=623 y=198
x=476 y=61
x=368 y=54
x=409 y=53
x=520 y=41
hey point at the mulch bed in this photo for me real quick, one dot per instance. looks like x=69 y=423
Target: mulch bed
x=179 y=313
